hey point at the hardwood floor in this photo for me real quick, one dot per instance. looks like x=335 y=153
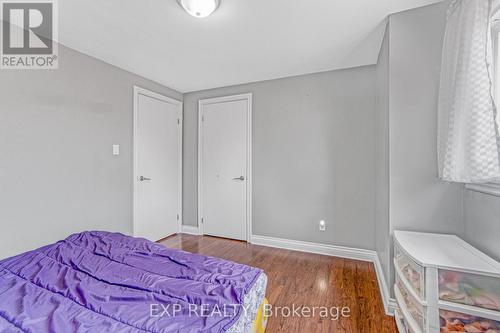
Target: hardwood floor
x=304 y=279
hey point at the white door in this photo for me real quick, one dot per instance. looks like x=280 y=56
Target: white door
x=158 y=165
x=224 y=166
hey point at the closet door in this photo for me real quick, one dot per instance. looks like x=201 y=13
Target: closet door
x=158 y=165
x=224 y=167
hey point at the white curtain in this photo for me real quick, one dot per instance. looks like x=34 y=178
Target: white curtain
x=468 y=139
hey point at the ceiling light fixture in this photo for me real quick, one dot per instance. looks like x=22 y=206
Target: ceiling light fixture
x=199 y=8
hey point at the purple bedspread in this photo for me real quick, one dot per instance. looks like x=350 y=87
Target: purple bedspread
x=108 y=282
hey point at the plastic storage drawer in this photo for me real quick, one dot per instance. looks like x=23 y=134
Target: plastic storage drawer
x=413 y=307
x=470 y=289
x=411 y=271
x=451 y=321
x=402 y=324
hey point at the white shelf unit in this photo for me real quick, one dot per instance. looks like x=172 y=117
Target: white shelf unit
x=444 y=284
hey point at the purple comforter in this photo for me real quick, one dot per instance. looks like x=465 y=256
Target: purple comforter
x=108 y=282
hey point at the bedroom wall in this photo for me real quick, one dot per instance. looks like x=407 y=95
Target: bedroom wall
x=482 y=222
x=418 y=199
x=382 y=228
x=313 y=156
x=57 y=172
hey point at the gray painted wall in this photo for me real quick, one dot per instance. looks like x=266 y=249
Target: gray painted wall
x=410 y=196
x=482 y=222
x=57 y=173
x=313 y=156
x=419 y=200
x=382 y=228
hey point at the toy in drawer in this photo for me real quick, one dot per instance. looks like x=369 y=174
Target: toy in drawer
x=451 y=322
x=413 y=307
x=412 y=272
x=470 y=289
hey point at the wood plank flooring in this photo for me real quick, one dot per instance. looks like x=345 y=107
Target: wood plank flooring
x=304 y=279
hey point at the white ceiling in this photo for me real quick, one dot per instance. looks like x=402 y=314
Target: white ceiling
x=243 y=41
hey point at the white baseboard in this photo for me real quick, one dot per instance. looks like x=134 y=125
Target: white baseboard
x=335 y=251
x=189 y=229
x=390 y=304
x=329 y=250
x=393 y=306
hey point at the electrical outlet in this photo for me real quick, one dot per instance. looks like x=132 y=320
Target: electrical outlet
x=116 y=149
x=322 y=225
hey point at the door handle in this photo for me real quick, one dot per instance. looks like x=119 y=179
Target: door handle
x=142 y=178
x=239 y=178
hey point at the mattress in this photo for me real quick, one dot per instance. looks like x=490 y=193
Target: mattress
x=109 y=282
x=252 y=304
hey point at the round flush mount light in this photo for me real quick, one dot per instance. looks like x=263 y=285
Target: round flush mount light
x=199 y=8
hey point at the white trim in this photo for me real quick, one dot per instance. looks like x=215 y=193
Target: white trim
x=189 y=229
x=141 y=91
x=325 y=249
x=390 y=304
x=336 y=251
x=491 y=189
x=201 y=104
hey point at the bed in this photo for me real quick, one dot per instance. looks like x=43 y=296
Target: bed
x=108 y=282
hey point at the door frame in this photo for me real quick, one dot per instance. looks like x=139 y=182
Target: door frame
x=142 y=91
x=201 y=104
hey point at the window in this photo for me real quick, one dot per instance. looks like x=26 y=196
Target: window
x=468 y=147
x=493 y=188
